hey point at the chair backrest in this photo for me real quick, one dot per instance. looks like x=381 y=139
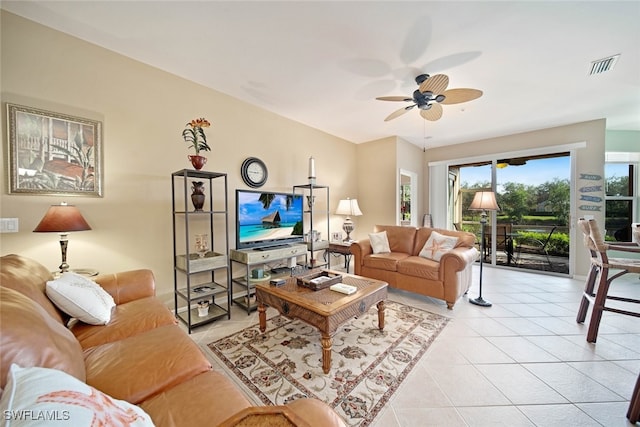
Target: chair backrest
x=503 y=231
x=592 y=236
x=594 y=241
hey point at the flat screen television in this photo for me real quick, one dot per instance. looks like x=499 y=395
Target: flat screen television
x=266 y=218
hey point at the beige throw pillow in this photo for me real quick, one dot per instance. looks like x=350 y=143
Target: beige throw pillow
x=81 y=298
x=379 y=242
x=438 y=245
x=40 y=396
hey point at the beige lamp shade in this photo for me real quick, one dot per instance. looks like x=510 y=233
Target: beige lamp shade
x=484 y=201
x=348 y=207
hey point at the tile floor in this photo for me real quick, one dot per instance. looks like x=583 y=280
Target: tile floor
x=522 y=362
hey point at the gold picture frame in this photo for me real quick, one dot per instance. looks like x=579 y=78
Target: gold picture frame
x=52 y=153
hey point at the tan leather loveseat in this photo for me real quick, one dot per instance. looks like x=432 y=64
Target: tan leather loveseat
x=403 y=268
x=141 y=356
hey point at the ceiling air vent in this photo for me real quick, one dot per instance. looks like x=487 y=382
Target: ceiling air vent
x=604 y=64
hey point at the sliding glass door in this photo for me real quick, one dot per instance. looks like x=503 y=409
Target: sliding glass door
x=531 y=230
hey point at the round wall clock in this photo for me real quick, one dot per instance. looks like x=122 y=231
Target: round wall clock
x=254 y=172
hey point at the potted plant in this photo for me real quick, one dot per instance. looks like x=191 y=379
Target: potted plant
x=194 y=134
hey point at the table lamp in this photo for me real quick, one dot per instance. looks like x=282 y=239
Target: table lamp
x=62 y=219
x=483 y=201
x=348 y=207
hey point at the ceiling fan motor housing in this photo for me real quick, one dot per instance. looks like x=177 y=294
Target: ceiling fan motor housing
x=423 y=99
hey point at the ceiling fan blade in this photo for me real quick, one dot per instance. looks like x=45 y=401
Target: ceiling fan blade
x=394 y=98
x=457 y=96
x=398 y=113
x=436 y=84
x=432 y=114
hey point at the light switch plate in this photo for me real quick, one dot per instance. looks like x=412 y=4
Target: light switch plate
x=8 y=225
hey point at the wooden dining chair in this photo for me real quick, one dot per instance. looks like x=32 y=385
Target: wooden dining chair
x=633 y=414
x=601 y=264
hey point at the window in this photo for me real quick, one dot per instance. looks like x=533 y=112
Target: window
x=619 y=200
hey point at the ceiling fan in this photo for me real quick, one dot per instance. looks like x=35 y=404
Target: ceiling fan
x=430 y=94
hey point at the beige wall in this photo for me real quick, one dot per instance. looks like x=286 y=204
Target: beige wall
x=379 y=164
x=588 y=160
x=144 y=111
x=377 y=171
x=410 y=158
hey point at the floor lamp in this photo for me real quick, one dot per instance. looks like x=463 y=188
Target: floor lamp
x=483 y=201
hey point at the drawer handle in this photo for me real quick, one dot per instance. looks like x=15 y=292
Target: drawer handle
x=265 y=256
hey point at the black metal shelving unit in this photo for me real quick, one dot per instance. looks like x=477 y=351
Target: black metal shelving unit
x=200 y=278
x=311 y=191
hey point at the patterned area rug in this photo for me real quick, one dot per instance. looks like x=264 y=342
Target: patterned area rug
x=367 y=365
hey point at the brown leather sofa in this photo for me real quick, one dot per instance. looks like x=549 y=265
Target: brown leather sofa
x=402 y=268
x=141 y=356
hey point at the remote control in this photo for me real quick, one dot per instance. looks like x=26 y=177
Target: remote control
x=278 y=282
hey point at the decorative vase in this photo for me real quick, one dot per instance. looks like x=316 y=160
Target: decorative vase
x=203 y=310
x=197 y=161
x=197 y=195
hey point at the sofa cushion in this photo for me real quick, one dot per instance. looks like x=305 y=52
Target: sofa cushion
x=401 y=239
x=81 y=298
x=437 y=245
x=465 y=239
x=387 y=262
x=31 y=337
x=420 y=267
x=63 y=399
x=29 y=278
x=138 y=367
x=182 y=405
x=379 y=242
x=119 y=285
x=127 y=320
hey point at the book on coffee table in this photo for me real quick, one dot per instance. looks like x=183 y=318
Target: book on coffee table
x=343 y=288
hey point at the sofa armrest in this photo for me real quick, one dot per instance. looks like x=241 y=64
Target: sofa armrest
x=359 y=249
x=128 y=285
x=457 y=260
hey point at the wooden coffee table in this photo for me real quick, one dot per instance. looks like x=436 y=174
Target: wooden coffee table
x=325 y=309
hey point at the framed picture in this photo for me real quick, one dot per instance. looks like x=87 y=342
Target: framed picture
x=52 y=153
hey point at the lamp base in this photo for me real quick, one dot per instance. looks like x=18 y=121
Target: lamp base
x=348 y=227
x=480 y=301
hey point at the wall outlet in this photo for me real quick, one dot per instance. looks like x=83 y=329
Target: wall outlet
x=8 y=225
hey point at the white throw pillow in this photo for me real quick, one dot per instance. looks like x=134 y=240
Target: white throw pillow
x=438 y=245
x=81 y=298
x=42 y=396
x=379 y=242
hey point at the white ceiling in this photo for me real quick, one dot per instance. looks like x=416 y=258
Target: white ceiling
x=322 y=63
